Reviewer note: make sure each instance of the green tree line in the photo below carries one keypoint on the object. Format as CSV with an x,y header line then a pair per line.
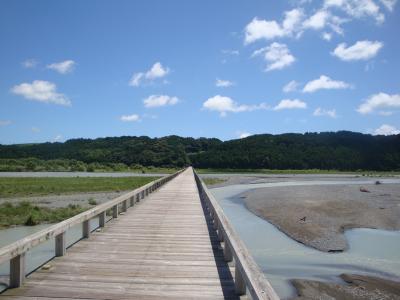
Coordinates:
x,y
343,150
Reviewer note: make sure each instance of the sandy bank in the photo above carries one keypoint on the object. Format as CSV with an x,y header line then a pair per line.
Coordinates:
x,y
318,215
356,287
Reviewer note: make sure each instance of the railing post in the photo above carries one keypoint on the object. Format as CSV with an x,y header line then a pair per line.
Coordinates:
x,y
142,194
60,244
124,205
86,229
132,201
17,271
137,197
220,233
102,219
227,251
115,211
240,285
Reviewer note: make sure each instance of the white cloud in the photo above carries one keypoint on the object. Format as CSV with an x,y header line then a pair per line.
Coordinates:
x,y
243,134
277,55
130,118
30,63
389,4
290,104
156,71
327,36
159,100
223,105
386,129
261,29
42,91
362,50
63,67
57,138
223,83
381,101
5,122
324,82
291,86
320,112
357,8
317,20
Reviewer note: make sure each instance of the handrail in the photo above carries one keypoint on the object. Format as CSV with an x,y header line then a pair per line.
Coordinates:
x,y
247,273
15,252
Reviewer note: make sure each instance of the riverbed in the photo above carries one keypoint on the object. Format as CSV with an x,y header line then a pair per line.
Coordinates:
x,y
370,251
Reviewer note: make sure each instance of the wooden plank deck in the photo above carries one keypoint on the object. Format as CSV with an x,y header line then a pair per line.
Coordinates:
x,y
163,248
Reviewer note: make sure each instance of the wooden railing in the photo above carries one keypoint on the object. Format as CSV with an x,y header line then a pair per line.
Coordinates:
x,y
15,252
248,276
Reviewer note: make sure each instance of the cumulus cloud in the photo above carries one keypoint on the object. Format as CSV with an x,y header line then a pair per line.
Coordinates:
x,y
290,104
386,129
324,82
261,29
357,8
223,83
327,36
130,118
62,67
320,112
5,122
361,50
223,105
291,86
156,71
42,91
160,100
57,138
30,63
277,56
380,102
317,20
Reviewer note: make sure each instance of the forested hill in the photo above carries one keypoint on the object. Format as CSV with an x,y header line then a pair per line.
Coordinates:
x,y
339,151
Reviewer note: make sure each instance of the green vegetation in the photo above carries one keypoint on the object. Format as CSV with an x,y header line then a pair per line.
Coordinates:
x,y
71,165
92,201
24,213
29,186
213,181
342,151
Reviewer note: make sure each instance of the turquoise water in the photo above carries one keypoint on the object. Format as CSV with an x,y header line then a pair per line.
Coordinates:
x,y
371,252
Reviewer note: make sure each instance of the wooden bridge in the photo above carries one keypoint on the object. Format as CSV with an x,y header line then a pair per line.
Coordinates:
x,y
178,244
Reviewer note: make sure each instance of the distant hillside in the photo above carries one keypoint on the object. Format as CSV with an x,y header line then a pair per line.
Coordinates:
x,y
339,151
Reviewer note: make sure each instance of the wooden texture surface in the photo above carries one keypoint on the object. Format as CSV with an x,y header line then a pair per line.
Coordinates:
x,y
162,248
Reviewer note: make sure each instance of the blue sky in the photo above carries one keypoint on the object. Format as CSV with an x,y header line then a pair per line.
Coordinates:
x,y
222,69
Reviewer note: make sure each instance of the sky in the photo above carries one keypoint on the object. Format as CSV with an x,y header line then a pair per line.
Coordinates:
x,y
224,69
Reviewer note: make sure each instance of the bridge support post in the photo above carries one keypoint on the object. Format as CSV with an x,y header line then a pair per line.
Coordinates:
x,y
60,244
132,201
17,271
227,251
124,206
240,285
137,197
115,211
102,219
86,229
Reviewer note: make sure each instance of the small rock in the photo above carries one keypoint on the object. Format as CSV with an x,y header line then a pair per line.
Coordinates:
x,y
364,190
98,230
378,182
46,267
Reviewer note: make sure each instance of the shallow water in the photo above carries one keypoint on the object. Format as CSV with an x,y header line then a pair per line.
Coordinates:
x,y
371,252
41,253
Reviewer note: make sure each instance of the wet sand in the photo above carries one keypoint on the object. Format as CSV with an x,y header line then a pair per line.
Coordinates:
x,y
355,287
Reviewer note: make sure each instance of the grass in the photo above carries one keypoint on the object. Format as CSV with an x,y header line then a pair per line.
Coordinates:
x,y
31,186
213,181
25,213
308,171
